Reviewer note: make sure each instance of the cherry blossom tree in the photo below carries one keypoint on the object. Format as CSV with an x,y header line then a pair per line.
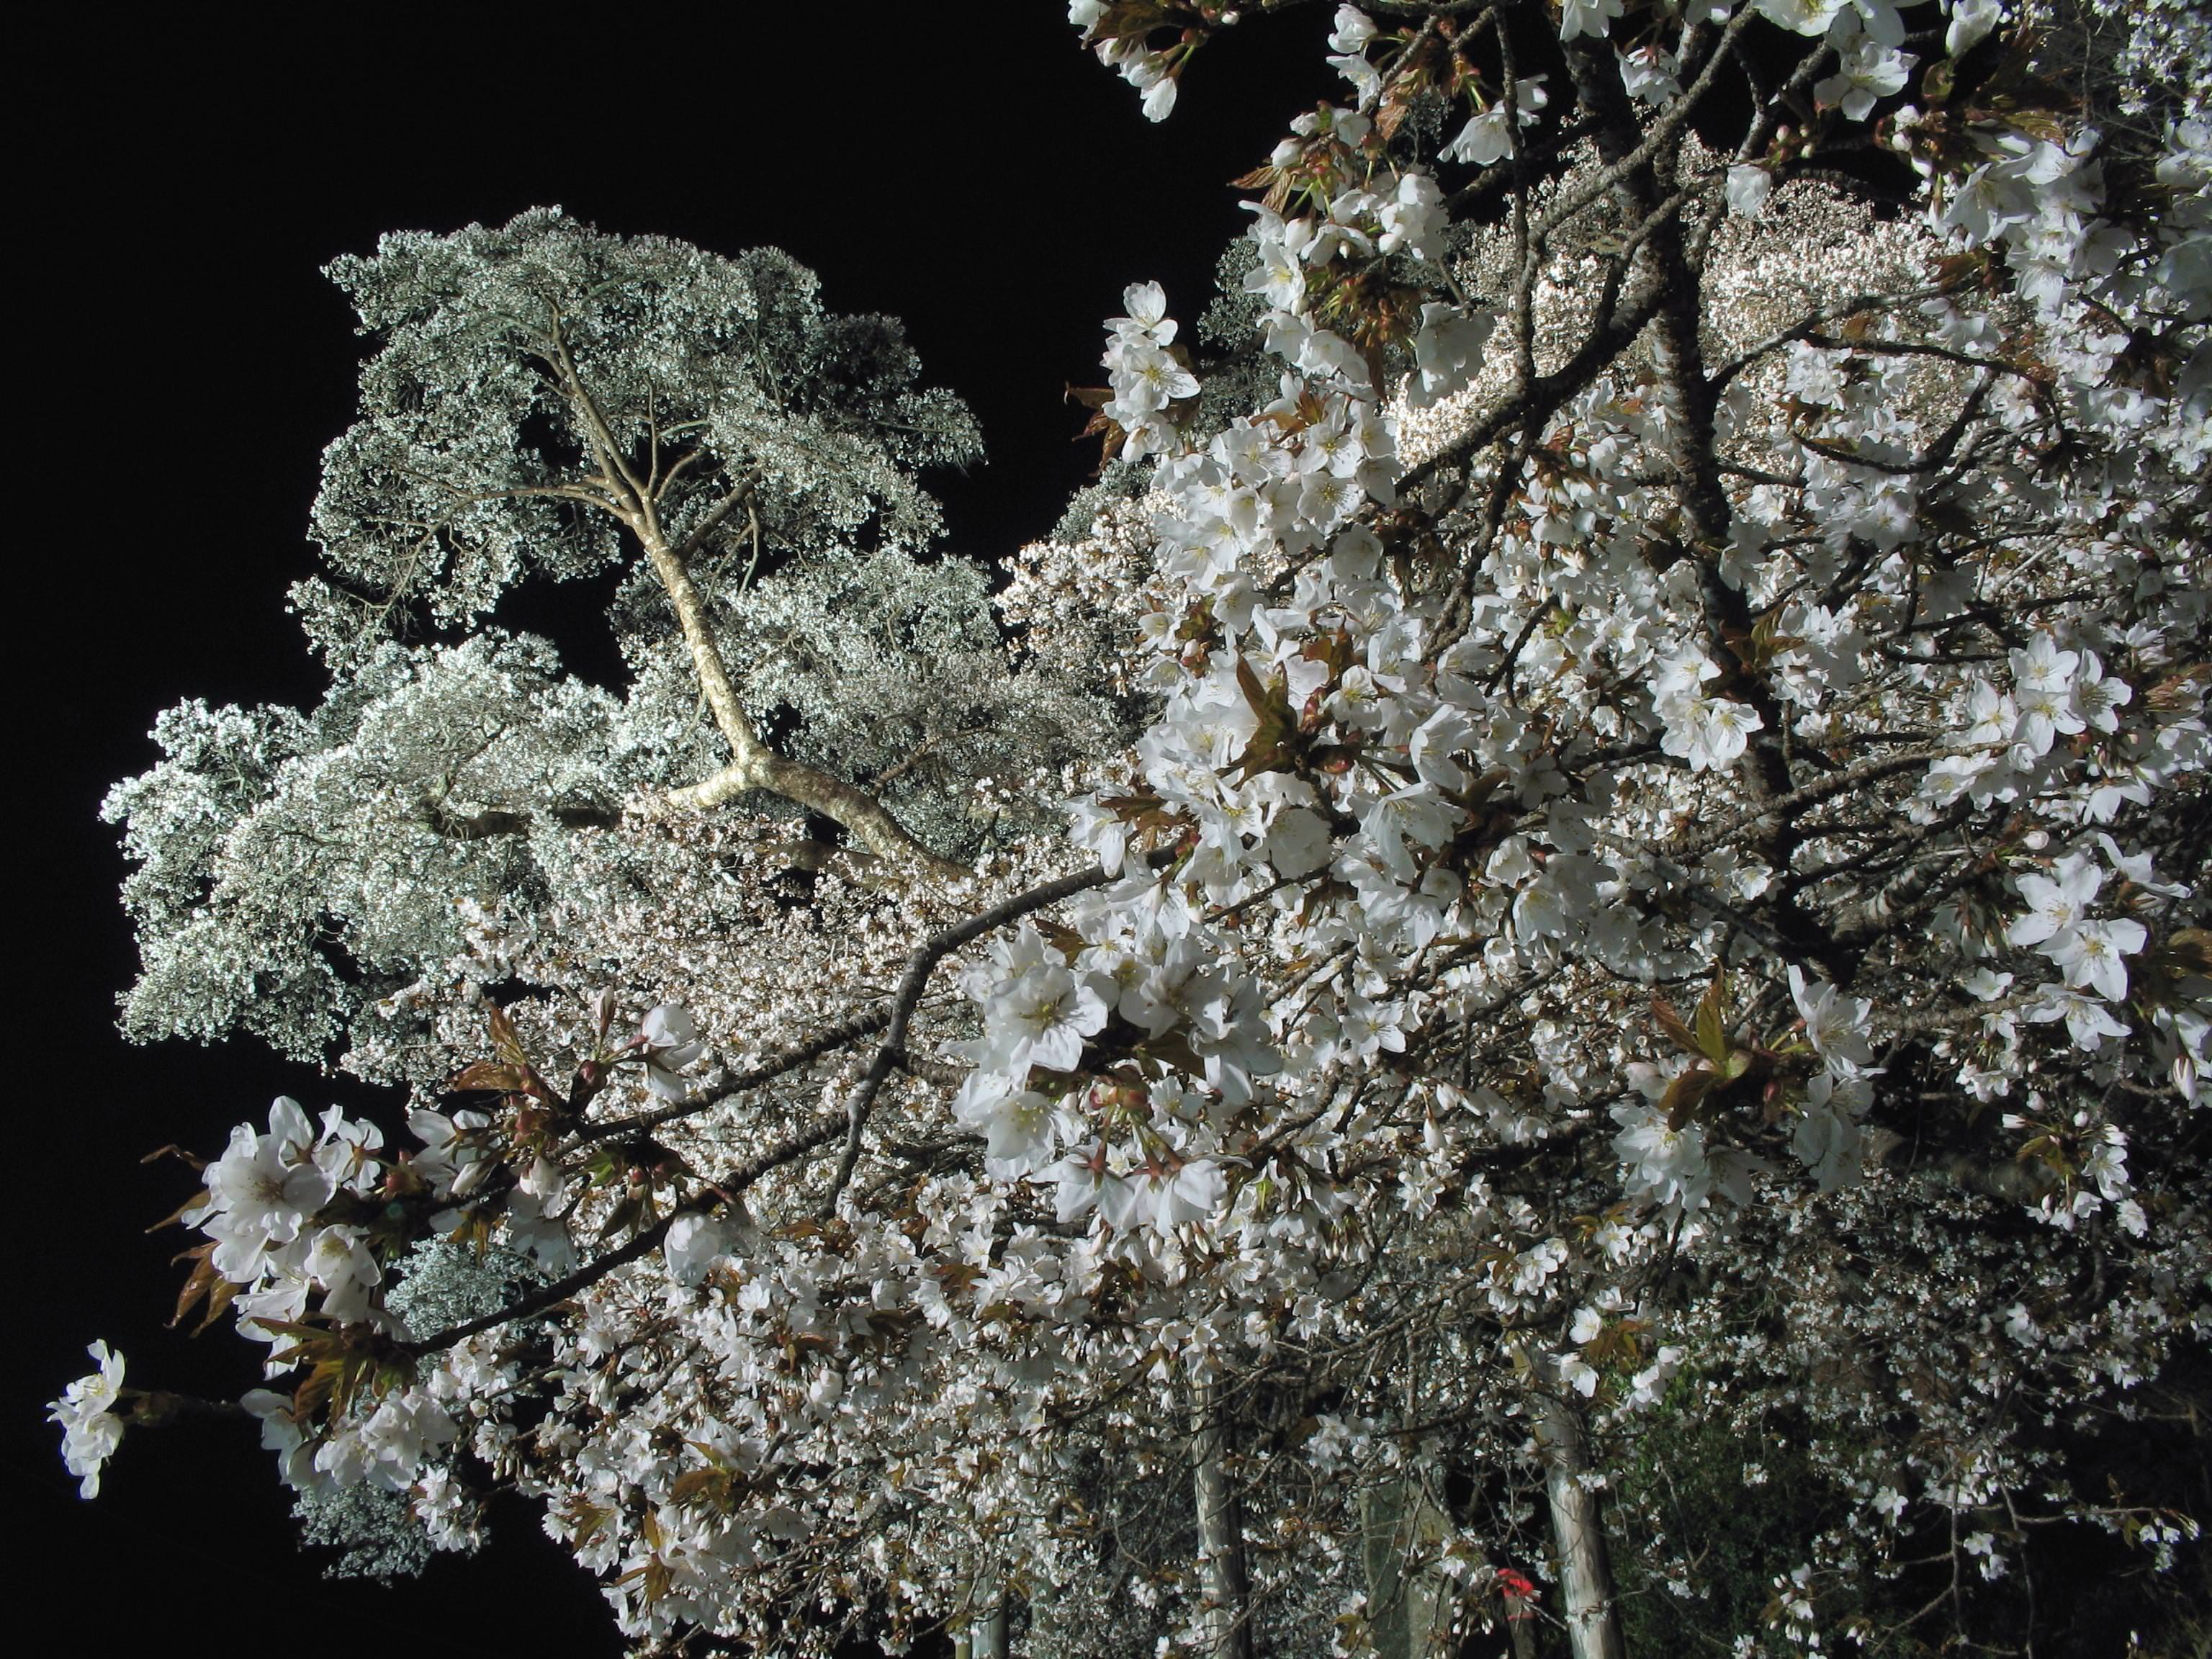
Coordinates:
x,y
1579,892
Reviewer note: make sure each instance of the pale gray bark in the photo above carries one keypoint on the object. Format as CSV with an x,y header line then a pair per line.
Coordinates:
x,y
990,1630
1585,1570
755,765
1227,1619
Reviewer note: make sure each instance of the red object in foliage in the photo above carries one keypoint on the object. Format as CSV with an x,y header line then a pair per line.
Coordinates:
x,y
1517,1591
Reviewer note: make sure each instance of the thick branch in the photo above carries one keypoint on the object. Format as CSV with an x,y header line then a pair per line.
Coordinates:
x,y
1585,1573
1773,813
754,765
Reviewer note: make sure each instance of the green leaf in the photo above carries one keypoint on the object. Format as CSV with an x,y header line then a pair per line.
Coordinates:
x,y
1269,749
1712,1041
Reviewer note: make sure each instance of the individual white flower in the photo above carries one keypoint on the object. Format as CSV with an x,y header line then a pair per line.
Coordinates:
x,y
91,1430
339,1263
671,1040
2088,1021
1146,306
1868,72
1413,216
1022,1127
281,1433
1800,16
2139,869
1485,141
1590,17
1680,674
1662,1165
1577,1373
1827,1137
2041,665
2054,906
263,1187
1711,733
2089,954
1835,1025
1651,74
1023,1134
1747,188
1878,18
1989,203
2096,697
1418,813
1649,1386
2106,1165
1148,72
1322,352
1359,701
1279,279
1190,1193
452,1159
1100,831
1446,352
1041,1019
1145,378
693,1244
387,1447
1366,79
1352,30
1971,20
1078,1180
1299,842
544,1238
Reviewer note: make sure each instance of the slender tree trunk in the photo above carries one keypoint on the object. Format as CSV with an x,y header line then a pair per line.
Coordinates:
x,y
1228,1617
1408,1612
1518,1633
1585,1570
990,1629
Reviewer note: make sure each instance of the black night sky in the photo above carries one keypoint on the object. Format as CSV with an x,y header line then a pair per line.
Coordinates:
x,y
966,168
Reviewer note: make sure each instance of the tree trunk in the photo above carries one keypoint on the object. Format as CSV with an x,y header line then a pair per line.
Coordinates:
x,y
1585,1572
990,1630
1227,1619
1408,1613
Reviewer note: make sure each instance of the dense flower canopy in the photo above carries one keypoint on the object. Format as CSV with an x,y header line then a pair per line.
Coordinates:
x,y
1596,861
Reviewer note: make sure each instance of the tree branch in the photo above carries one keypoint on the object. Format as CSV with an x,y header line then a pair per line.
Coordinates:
x,y
753,1077
892,1053
818,1133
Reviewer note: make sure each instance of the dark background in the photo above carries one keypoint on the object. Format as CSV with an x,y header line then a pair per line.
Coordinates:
x,y
181,178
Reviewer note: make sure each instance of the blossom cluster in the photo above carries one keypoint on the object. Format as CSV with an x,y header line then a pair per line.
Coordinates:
x,y
1673,697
